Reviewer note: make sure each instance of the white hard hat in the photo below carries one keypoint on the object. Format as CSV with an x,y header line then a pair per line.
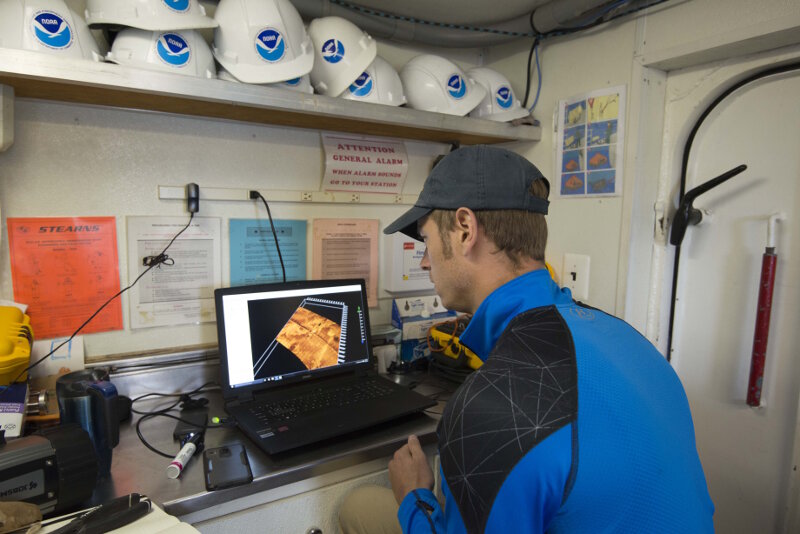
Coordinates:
x,y
262,41
380,83
300,85
499,103
433,83
154,15
341,53
46,26
181,52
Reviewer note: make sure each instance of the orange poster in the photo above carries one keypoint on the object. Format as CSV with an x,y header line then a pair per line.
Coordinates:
x,y
64,269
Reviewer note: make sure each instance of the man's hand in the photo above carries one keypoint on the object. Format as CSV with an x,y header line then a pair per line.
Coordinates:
x,y
409,469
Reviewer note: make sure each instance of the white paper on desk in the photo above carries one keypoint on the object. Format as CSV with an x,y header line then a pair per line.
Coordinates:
x,y
68,357
155,522
181,293
347,248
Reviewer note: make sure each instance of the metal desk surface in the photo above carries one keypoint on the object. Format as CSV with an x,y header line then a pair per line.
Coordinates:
x,y
137,469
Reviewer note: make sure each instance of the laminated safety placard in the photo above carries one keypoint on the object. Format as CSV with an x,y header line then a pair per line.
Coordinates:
x,y
64,269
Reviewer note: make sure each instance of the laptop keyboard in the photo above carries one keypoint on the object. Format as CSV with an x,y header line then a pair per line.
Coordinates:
x,y
288,409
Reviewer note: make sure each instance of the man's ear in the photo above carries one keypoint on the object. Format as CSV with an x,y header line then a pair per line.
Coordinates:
x,y
466,227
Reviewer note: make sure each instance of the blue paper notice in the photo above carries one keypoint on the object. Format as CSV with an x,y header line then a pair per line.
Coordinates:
x,y
254,259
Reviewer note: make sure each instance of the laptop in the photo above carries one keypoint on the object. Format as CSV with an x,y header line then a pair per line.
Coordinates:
x,y
296,364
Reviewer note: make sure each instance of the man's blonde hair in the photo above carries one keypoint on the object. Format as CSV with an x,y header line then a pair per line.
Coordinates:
x,y
517,233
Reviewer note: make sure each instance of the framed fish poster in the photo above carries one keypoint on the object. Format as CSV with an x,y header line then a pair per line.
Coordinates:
x,y
589,142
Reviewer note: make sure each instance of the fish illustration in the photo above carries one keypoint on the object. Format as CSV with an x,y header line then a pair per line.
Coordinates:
x,y
571,165
599,185
574,182
575,115
597,160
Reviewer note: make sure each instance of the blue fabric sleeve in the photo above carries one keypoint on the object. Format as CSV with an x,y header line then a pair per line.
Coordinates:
x,y
532,494
420,513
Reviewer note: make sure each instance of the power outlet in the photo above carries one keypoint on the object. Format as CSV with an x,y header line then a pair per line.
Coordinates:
x,y
355,197
575,275
307,196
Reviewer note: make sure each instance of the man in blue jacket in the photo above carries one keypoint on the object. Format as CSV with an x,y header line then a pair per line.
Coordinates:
x,y
575,422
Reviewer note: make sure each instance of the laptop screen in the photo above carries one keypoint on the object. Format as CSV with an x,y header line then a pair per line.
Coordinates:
x,y
278,333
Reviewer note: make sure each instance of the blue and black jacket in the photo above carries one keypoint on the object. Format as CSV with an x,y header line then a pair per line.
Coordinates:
x,y
575,423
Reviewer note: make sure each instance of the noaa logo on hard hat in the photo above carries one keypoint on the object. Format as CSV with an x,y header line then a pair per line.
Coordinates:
x,y
456,86
504,97
270,45
173,49
181,6
52,30
362,86
332,51
294,82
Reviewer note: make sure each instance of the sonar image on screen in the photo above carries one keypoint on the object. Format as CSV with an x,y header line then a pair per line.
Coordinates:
x,y
313,337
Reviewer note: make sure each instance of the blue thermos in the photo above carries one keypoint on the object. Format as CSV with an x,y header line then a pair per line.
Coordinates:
x,y
88,398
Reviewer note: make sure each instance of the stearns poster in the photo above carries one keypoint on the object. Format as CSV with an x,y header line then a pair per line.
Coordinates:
x,y
64,269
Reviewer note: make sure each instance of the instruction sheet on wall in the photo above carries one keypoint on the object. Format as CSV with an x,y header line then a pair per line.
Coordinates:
x,y
347,248
254,258
180,291
589,143
65,269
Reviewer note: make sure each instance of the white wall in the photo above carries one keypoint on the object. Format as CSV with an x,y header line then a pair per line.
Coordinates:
x,y
90,161
82,160
572,66
636,51
606,229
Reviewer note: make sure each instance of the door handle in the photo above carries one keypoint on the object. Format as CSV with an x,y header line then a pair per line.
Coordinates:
x,y
688,214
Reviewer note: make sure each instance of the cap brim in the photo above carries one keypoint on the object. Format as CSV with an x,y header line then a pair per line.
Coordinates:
x,y
407,223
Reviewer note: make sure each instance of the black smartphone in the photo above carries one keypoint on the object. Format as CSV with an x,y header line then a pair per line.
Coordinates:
x,y
194,421
226,466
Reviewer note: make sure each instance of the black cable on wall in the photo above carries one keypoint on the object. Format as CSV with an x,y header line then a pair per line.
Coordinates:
x,y
772,71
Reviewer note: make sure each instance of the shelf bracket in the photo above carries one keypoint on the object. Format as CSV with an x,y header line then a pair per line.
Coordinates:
x,y
6,117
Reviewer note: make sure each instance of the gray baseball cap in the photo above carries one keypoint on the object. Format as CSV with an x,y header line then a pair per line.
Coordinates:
x,y
478,177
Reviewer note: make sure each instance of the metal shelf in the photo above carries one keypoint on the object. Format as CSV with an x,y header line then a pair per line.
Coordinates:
x,y
41,76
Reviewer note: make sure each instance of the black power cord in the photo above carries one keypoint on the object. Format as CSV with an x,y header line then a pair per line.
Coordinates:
x,y
771,71
256,195
149,261
186,399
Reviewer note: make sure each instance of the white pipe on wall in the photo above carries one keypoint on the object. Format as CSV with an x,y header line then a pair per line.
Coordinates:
x,y
547,16
559,13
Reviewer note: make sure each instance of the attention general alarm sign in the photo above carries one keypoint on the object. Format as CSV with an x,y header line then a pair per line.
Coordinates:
x,y
364,165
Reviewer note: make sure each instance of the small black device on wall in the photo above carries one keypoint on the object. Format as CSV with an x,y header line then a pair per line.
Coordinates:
x,y
193,197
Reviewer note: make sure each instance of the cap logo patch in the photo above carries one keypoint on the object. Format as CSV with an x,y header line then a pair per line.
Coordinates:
x,y
362,86
181,6
52,30
270,45
456,86
294,82
173,49
332,51
504,97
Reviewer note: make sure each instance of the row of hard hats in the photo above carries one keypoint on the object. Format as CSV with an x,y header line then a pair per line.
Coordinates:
x,y
258,41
